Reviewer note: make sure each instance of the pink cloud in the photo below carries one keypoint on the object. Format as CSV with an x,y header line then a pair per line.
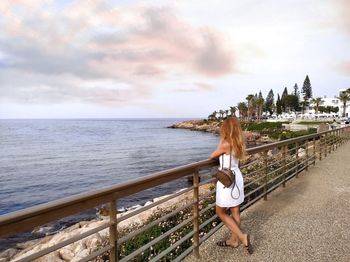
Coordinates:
x,y
344,67
195,87
136,46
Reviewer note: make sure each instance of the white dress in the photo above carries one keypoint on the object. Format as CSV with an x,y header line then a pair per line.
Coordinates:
x,y
226,197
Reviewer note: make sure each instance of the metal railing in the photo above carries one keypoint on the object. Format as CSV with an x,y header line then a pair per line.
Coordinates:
x,y
192,218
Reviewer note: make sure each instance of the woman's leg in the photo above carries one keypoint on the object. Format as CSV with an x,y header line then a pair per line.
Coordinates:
x,y
231,224
235,214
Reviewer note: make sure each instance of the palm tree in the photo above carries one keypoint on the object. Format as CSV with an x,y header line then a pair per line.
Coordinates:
x,y
344,97
233,110
260,104
243,109
212,116
249,99
317,101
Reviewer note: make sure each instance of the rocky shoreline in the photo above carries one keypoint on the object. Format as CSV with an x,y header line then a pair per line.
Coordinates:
x,y
252,138
199,125
82,248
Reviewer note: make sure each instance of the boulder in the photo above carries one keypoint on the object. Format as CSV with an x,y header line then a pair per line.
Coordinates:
x,y
7,254
66,254
82,254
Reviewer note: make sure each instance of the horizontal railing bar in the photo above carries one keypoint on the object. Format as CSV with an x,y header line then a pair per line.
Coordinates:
x,y
96,254
260,169
275,170
206,222
210,233
205,182
274,186
254,181
184,254
144,208
173,246
207,208
278,161
154,241
28,218
254,190
64,243
153,223
207,194
35,216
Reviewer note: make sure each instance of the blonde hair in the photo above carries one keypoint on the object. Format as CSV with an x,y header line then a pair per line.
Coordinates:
x,y
231,132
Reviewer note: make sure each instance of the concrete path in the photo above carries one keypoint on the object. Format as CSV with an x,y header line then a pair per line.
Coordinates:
x,y
309,220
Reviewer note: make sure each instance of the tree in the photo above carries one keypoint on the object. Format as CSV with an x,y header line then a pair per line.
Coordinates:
x,y
296,90
249,99
260,104
317,101
278,105
269,102
243,110
292,102
344,98
233,110
283,98
212,116
307,89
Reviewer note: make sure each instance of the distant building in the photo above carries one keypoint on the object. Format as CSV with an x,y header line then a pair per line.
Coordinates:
x,y
333,102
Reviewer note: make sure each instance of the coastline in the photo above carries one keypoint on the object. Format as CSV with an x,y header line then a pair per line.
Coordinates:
x,y
84,247
198,125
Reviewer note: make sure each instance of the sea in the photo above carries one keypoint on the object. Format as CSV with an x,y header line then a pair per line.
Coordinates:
x,y
43,160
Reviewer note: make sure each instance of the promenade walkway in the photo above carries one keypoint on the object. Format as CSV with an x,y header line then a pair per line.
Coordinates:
x,y
308,220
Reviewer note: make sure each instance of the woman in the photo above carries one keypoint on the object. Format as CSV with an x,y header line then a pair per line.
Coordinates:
x,y
231,147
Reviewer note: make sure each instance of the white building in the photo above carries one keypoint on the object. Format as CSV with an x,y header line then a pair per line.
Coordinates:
x,y
333,102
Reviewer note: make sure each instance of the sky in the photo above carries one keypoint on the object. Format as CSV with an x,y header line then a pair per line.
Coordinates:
x,y
163,59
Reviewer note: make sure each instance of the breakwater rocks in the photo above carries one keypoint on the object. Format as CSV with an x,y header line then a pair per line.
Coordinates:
x,y
252,138
199,125
82,248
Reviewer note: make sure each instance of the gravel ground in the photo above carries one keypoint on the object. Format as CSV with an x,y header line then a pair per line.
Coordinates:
x,y
308,220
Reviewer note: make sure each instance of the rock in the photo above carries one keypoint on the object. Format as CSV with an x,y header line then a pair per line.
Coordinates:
x,y
94,241
82,254
52,257
8,253
66,254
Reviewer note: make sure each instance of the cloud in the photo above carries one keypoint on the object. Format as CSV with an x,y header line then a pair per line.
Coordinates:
x,y
195,87
343,8
344,67
56,51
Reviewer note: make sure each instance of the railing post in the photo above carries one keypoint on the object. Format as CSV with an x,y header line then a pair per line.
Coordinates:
x,y
320,148
314,149
284,164
336,138
330,142
326,145
297,158
265,174
113,257
196,214
307,154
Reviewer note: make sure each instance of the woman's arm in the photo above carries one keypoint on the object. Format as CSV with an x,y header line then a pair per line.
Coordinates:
x,y
221,149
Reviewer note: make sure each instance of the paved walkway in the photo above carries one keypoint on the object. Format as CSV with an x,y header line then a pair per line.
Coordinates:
x,y
309,220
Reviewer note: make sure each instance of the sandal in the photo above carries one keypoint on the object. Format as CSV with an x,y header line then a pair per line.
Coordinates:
x,y
225,244
249,246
